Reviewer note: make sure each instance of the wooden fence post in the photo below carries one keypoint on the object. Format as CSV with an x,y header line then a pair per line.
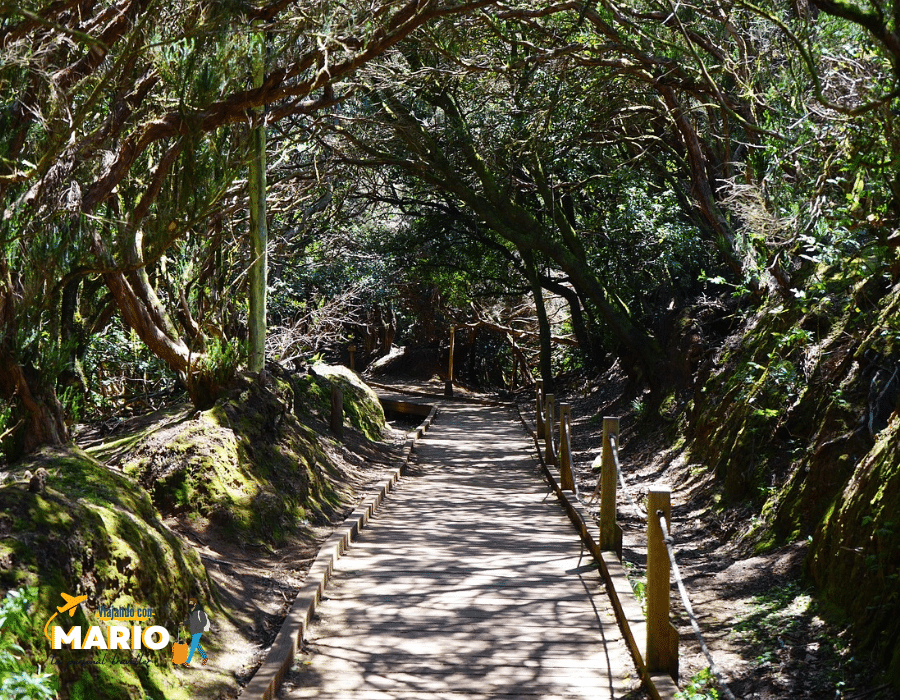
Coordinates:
x,y
662,637
549,420
352,350
566,477
448,387
610,531
337,411
539,413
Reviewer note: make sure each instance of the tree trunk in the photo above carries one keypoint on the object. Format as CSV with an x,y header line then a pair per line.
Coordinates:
x,y
639,351
702,188
38,417
258,231
579,326
543,322
41,416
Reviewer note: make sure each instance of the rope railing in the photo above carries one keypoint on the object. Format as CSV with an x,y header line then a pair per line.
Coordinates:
x,y
661,651
549,420
539,419
662,639
640,512
686,601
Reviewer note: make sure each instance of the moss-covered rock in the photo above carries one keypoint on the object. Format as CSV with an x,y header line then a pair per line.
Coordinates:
x,y
795,418
247,465
855,554
362,409
95,532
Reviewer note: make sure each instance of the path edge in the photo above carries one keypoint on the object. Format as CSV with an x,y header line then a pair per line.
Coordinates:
x,y
629,613
268,677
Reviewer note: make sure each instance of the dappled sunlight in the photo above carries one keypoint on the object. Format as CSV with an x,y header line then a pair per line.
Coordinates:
x,y
469,580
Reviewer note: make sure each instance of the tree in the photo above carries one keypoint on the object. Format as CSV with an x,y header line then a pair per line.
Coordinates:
x,y
258,232
422,115
113,103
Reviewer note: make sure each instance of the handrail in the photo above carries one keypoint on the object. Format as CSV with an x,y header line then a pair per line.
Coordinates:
x,y
539,400
659,502
686,601
641,513
549,418
661,652
566,468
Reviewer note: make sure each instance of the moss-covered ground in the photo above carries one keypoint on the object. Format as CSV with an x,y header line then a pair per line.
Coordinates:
x,y
255,470
95,532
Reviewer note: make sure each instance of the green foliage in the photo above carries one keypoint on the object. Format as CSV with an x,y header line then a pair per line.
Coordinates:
x,y
638,582
19,679
28,686
701,687
212,371
117,367
777,611
640,407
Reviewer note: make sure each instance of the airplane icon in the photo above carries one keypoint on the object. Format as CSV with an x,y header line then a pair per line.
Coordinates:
x,y
71,603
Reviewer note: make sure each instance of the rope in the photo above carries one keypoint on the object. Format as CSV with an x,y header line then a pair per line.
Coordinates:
x,y
670,548
676,572
613,443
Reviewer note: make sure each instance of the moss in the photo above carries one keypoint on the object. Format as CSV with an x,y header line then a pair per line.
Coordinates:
x,y
248,465
362,409
95,532
855,556
786,417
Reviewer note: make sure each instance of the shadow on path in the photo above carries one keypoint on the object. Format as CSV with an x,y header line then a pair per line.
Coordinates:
x,y
469,583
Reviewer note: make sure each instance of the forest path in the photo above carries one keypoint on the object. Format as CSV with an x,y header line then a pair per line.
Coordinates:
x,y
470,582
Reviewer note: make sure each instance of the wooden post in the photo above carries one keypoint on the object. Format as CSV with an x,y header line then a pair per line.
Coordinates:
x,y
610,531
448,387
352,351
515,369
337,411
549,420
539,413
566,477
662,637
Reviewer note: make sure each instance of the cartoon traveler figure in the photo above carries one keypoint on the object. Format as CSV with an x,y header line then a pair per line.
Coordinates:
x,y
198,622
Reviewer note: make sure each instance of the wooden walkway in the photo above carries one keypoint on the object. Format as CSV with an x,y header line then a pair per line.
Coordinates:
x,y
469,583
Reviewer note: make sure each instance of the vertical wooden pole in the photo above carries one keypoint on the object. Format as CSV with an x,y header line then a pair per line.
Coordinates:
x,y
549,420
610,532
448,387
515,369
566,477
258,234
352,350
337,411
662,637
539,413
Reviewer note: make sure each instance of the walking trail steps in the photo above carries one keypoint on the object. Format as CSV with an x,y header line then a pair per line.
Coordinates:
x,y
469,583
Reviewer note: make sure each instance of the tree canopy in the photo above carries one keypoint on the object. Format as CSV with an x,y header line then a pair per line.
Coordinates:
x,y
620,157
